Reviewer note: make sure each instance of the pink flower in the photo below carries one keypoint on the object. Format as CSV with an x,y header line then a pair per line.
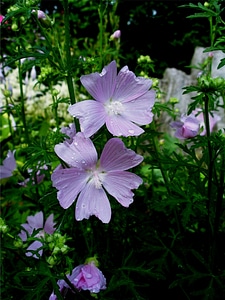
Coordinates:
x,y
116,34
213,119
88,178
187,127
9,165
34,223
1,18
83,277
122,102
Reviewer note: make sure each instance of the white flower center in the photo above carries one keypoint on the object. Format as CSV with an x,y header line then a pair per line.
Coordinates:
x,y
114,108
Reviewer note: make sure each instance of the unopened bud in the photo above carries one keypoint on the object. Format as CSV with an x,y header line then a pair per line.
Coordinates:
x,y
51,260
116,35
14,27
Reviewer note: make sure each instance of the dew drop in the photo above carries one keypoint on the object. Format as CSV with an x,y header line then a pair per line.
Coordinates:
x,y
75,143
131,131
83,205
83,161
88,276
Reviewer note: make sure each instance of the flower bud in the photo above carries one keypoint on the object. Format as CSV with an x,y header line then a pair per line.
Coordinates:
x,y
14,27
18,243
51,260
116,35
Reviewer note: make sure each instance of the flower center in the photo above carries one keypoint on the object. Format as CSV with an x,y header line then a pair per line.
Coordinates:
x,y
95,178
114,108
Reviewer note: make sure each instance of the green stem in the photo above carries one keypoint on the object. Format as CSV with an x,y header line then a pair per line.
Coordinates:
x,y
8,114
22,99
210,202
100,11
55,107
69,75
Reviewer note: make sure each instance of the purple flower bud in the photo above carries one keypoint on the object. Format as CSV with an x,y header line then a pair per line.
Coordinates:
x,y
116,34
83,277
187,127
40,14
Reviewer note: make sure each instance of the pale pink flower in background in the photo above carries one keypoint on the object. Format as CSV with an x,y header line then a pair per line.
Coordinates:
x,y
187,127
33,73
213,119
116,35
88,178
37,176
40,14
83,277
8,166
70,131
34,223
122,102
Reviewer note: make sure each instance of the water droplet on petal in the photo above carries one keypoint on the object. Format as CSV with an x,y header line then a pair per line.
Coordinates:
x,y
88,276
83,161
75,143
131,131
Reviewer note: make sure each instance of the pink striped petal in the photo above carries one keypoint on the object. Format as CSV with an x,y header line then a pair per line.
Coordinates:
x,y
93,201
119,184
115,156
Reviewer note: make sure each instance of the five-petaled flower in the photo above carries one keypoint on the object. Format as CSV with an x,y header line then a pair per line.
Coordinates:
x,y
89,178
83,277
122,102
9,165
35,223
187,127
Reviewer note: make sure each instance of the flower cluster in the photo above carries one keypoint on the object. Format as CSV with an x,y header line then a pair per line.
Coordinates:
x,y
122,102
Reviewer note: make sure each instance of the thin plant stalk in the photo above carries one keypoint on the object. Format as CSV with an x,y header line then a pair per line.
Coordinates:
x,y
23,115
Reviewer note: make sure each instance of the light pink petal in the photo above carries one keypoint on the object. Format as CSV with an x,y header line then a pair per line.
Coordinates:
x,y
35,246
81,153
93,201
49,224
101,86
69,183
91,279
176,124
25,233
70,131
119,126
91,115
130,87
139,110
119,184
9,165
116,157
36,221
